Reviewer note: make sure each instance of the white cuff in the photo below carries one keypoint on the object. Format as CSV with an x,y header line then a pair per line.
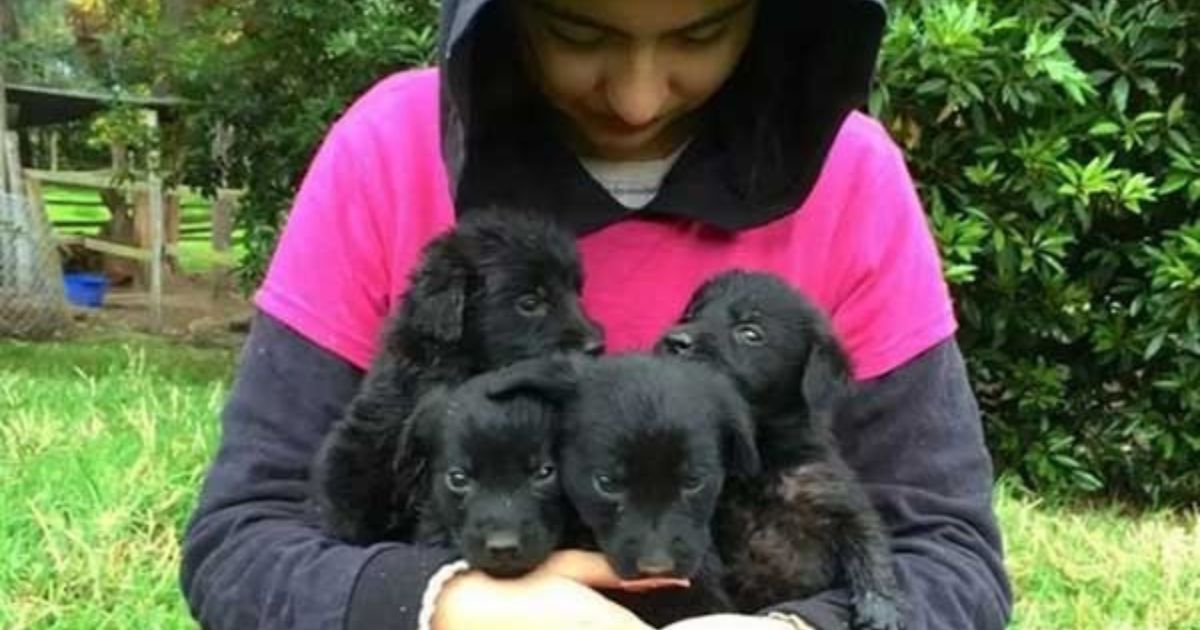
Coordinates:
x,y
434,588
795,620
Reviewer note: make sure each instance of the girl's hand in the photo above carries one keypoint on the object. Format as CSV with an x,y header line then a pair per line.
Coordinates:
x,y
591,568
733,622
558,594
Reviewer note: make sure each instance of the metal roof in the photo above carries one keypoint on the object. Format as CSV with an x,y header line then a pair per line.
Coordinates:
x,y
47,106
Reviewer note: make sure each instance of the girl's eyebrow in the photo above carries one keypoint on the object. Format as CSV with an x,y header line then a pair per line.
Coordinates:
x,y
570,16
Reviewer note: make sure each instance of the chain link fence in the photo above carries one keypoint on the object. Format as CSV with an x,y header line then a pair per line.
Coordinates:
x,y
32,302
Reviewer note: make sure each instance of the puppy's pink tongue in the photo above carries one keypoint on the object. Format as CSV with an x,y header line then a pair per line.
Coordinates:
x,y
649,584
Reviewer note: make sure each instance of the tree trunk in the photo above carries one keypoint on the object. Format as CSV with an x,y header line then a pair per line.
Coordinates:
x,y
9,30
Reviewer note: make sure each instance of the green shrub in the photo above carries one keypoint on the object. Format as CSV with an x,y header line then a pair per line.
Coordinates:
x,y
1057,148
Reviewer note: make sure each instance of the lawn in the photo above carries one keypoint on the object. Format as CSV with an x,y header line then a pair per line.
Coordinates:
x,y
103,443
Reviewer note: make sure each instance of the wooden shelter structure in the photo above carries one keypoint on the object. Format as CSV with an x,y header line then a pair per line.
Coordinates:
x,y
25,106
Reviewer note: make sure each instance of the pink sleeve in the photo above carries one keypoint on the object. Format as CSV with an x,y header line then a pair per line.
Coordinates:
x,y
329,278
373,196
895,304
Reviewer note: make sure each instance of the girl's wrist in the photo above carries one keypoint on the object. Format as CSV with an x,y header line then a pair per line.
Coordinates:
x,y
434,590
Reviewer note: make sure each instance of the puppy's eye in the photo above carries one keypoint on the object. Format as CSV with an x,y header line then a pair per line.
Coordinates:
x,y
532,305
457,480
749,334
544,472
606,485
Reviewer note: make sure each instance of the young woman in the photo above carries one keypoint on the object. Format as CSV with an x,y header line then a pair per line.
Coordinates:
x,y
678,138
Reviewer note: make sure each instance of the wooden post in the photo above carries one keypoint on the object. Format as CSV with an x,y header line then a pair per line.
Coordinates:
x,y
154,184
12,158
222,238
37,202
40,223
3,135
222,221
54,150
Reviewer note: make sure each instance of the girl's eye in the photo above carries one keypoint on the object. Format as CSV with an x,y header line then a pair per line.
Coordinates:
x,y
575,34
692,485
544,472
532,305
704,35
457,480
606,485
749,334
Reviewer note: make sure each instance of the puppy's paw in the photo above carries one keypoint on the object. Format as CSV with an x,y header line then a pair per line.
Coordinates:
x,y
876,611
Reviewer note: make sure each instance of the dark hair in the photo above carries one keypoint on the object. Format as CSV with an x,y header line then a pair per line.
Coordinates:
x,y
504,97
765,112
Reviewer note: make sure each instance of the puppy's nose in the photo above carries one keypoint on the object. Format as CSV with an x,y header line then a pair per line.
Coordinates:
x,y
656,564
679,342
594,346
502,544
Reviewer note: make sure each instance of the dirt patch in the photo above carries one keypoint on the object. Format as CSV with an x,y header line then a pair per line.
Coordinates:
x,y
196,310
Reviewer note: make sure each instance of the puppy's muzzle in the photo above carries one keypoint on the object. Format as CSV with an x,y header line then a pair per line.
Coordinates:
x,y
503,545
656,564
588,339
679,342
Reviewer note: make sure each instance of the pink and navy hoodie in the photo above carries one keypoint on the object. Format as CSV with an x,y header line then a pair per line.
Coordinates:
x,y
784,176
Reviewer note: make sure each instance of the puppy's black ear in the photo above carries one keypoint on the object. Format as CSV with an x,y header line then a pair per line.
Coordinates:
x,y
438,295
555,378
826,373
420,430
414,444
737,435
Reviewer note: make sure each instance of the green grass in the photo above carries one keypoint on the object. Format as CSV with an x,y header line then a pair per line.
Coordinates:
x,y
196,255
1100,569
103,443
101,450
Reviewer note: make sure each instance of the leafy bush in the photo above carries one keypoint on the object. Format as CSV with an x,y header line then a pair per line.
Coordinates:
x,y
273,74
1057,148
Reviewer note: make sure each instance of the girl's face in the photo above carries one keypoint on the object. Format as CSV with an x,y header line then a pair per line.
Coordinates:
x,y
627,74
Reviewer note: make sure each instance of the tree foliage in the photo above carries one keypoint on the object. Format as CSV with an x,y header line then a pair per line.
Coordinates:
x,y
269,76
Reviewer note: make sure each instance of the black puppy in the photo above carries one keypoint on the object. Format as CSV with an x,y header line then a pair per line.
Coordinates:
x,y
804,524
500,287
647,444
480,459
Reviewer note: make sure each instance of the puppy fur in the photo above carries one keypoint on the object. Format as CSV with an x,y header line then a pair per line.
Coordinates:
x,y
481,460
647,445
502,286
804,524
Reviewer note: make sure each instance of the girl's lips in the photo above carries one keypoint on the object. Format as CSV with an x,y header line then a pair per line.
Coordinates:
x,y
619,127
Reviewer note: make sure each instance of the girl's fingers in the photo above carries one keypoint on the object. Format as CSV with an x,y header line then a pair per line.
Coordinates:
x,y
591,568
650,584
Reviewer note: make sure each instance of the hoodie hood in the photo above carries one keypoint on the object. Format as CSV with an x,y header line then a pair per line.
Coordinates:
x,y
755,157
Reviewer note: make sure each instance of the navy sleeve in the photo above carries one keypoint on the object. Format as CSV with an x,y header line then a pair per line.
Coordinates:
x,y
253,556
915,440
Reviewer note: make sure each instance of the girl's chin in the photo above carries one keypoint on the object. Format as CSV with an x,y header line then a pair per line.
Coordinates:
x,y
645,144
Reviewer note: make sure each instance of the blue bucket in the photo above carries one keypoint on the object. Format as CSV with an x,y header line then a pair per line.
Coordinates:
x,y
86,289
